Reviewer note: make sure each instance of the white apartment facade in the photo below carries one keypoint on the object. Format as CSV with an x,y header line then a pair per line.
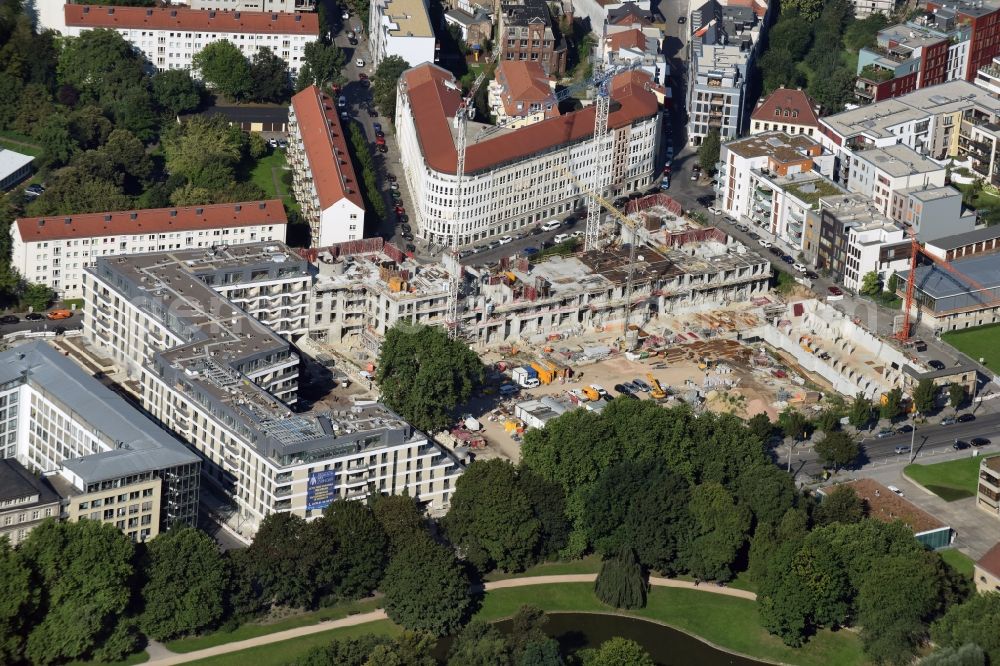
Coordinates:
x,y
400,28
286,6
169,37
865,243
518,177
324,181
56,250
882,173
226,386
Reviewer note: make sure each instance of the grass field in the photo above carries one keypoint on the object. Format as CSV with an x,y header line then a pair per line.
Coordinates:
x,y
137,658
19,143
268,169
253,629
981,342
958,560
728,622
952,480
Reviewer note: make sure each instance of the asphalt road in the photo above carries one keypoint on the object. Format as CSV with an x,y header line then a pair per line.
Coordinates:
x,y
74,322
927,438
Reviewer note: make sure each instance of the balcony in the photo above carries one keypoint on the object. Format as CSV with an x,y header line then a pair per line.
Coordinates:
x,y
283,491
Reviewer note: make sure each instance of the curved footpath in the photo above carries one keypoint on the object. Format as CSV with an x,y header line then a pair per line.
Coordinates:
x,y
162,657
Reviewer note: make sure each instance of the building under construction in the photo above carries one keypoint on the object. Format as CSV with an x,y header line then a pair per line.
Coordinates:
x,y
357,296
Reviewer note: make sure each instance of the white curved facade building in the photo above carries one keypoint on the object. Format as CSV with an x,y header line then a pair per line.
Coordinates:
x,y
515,177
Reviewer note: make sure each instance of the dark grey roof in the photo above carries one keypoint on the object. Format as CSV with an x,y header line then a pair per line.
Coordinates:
x,y
939,283
626,9
142,445
966,238
17,482
527,12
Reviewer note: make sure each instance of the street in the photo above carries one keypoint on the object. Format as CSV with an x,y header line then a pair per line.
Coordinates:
x,y
74,322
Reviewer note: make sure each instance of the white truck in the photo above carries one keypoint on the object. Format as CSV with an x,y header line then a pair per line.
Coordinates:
x,y
524,377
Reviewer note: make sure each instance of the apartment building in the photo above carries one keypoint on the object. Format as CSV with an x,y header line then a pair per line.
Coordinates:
x,y
218,372
324,181
400,28
786,110
169,37
516,177
522,94
865,8
25,501
93,447
929,50
932,212
55,250
636,46
528,32
476,26
988,77
724,46
287,6
772,180
967,296
986,571
882,173
988,495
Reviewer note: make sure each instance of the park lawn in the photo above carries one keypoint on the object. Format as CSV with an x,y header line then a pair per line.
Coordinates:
x,y
254,629
951,480
958,560
980,342
279,654
262,171
33,150
137,658
589,564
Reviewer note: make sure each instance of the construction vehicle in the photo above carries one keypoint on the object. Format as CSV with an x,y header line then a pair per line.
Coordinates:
x,y
591,393
656,391
705,363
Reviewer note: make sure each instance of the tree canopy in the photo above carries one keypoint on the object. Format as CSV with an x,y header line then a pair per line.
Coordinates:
x,y
384,84
708,151
223,67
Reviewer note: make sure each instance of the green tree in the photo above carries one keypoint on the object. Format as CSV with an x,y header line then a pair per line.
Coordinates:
x,y
974,621
135,112
322,64
129,157
837,449
100,64
72,191
792,35
491,520
245,594
766,490
828,420
793,423
280,561
426,588
621,582
479,644
204,150
224,69
88,127
871,284
840,506
860,413
708,151
177,92
965,655
18,600
618,651
342,652
82,573
425,376
384,83
186,580
350,549
55,137
548,502
269,80
721,529
808,10
407,649
835,90
528,642
892,405
760,425
925,396
400,517
778,70
956,395
37,296
892,284
864,32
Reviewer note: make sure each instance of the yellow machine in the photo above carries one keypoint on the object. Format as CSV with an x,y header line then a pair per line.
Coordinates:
x,y
656,392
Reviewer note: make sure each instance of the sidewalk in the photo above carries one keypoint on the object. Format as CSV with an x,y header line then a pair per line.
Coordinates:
x,y
163,657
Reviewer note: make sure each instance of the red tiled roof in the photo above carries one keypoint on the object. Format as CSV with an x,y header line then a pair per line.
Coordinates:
x,y
326,148
633,38
524,82
434,97
990,562
792,100
183,18
151,220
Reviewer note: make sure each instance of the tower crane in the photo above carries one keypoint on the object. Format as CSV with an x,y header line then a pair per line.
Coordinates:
x,y
601,82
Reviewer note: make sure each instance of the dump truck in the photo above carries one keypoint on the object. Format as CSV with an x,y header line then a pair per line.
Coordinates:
x,y
656,391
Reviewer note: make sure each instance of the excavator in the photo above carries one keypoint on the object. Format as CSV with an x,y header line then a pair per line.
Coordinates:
x,y
656,392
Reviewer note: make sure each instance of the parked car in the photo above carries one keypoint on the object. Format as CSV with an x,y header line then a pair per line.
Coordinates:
x,y
788,259
681,20
529,251
403,217
380,141
835,291
643,386
399,209
535,231
559,238
901,449
505,240
569,221
895,489
406,229
60,314
600,389
359,63
345,15
34,316
382,148
980,441
410,247
551,225
799,267
812,275
960,445
966,418
342,102
885,432
352,41
34,190
350,33
947,421
408,236
936,364
9,319
764,243
378,128
621,388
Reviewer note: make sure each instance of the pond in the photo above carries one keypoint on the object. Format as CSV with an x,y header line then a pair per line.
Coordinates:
x,y
667,647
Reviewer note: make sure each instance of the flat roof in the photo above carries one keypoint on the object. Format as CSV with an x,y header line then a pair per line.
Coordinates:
x,y
16,482
151,220
137,444
898,160
967,238
184,18
780,146
11,161
927,193
409,18
885,505
939,283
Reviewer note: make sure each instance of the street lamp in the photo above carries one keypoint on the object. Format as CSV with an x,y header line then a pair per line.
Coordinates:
x,y
913,433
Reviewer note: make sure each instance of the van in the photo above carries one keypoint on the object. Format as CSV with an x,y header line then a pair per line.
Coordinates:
x,y
551,225
60,314
560,238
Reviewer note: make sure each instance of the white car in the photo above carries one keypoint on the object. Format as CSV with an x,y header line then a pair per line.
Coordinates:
x,y
764,243
551,225
505,240
578,234
713,210
359,63
600,389
559,238
799,267
346,15
895,490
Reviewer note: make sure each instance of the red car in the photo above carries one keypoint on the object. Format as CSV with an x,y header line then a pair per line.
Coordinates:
x,y
400,210
380,141
362,76
835,291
